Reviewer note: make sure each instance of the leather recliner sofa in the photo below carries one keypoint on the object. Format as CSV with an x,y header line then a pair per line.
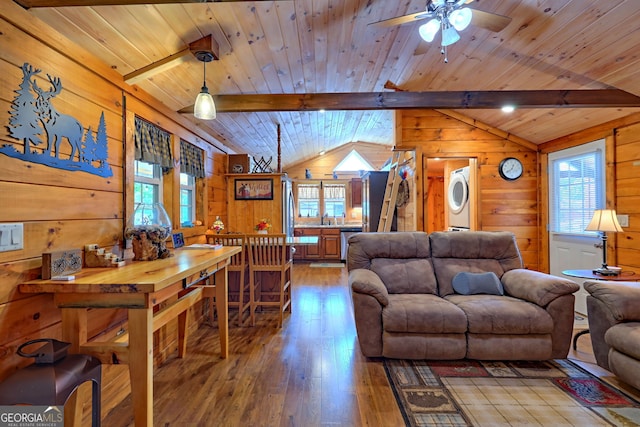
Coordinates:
x,y
613,311
406,305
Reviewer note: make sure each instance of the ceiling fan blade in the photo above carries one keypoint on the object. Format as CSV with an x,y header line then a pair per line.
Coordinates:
x,y
422,48
490,21
399,20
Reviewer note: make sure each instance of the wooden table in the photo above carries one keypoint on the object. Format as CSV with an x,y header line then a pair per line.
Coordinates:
x,y
590,275
138,287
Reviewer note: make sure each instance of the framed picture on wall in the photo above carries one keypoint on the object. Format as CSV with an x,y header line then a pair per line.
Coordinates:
x,y
253,189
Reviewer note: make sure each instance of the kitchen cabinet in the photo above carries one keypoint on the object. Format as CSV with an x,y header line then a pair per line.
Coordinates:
x,y
327,249
356,193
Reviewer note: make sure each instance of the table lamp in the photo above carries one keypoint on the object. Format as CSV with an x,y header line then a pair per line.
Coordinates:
x,y
604,220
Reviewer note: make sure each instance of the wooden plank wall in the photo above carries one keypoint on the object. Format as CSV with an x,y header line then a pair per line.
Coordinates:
x,y
622,139
511,206
321,167
66,210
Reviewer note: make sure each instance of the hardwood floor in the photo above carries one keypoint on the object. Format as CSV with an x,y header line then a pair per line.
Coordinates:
x,y
309,373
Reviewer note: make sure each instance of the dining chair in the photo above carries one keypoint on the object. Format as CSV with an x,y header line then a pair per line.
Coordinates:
x,y
240,292
268,254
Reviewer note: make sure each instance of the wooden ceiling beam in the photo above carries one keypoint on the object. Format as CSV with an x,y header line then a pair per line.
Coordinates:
x,y
27,4
206,44
525,99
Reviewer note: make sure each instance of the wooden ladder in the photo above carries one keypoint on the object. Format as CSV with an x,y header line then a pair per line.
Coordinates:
x,y
390,193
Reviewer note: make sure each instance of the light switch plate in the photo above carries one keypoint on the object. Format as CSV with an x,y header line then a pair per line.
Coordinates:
x,y
623,220
11,237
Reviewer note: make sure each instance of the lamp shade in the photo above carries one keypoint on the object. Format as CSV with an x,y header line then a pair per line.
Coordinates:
x,y
449,35
604,220
204,107
429,30
460,18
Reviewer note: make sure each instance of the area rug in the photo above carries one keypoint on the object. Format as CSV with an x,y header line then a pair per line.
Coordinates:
x,y
326,264
474,393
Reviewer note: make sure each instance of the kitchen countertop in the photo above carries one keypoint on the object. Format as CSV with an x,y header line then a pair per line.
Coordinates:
x,y
339,226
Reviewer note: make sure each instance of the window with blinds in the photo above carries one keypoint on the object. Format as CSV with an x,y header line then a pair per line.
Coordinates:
x,y
577,187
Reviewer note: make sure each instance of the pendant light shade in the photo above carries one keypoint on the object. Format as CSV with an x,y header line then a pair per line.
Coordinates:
x,y
204,108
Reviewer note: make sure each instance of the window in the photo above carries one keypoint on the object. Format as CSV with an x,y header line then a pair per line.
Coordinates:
x,y
147,187
309,200
314,203
187,199
334,200
577,187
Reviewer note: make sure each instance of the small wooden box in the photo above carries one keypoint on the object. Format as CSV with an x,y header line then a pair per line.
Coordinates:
x,y
239,163
61,263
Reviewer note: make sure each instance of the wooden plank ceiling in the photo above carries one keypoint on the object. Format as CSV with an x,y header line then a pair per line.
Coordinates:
x,y
307,47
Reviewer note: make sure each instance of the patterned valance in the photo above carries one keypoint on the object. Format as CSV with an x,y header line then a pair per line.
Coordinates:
x,y
309,191
191,160
334,191
153,145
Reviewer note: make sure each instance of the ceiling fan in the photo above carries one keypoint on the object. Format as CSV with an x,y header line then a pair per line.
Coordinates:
x,y
448,17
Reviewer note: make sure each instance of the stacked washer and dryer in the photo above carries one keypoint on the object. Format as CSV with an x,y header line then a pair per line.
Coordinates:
x,y
458,200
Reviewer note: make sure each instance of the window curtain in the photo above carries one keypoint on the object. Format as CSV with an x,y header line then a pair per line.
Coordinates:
x,y
334,191
191,160
153,145
309,191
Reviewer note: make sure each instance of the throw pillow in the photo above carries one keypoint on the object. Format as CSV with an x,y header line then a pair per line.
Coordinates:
x,y
466,283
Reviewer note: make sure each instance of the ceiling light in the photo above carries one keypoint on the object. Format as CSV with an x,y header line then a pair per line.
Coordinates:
x,y
429,30
460,18
204,108
449,34
508,109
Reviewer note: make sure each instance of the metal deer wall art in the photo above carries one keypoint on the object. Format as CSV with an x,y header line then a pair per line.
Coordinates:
x,y
34,116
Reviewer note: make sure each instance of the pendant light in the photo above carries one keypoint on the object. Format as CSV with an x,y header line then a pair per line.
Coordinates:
x,y
204,108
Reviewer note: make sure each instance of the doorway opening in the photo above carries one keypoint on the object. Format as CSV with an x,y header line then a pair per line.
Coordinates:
x,y
451,189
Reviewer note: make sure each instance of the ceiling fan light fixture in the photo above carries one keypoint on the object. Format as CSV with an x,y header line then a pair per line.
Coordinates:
x,y
449,35
429,30
460,18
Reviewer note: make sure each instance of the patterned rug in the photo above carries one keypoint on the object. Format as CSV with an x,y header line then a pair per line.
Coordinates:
x,y
326,264
474,393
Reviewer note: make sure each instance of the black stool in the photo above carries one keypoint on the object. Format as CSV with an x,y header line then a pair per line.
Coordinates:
x,y
53,383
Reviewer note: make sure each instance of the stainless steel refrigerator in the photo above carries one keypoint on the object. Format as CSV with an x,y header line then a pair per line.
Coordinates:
x,y
374,184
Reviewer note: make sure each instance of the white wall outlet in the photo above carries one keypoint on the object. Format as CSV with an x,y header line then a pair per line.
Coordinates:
x,y
623,220
11,237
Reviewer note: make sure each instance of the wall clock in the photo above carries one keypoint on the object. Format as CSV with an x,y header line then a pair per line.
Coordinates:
x,y
510,168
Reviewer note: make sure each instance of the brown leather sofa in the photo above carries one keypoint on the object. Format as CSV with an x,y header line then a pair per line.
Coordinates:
x,y
403,288
613,310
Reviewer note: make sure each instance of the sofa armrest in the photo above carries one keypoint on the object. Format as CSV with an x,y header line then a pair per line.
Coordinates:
x,y
365,281
536,287
622,299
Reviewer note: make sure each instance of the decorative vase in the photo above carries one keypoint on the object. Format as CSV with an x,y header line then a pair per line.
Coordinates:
x,y
148,229
262,231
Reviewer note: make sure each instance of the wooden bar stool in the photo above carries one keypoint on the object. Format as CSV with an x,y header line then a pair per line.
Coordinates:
x,y
238,270
53,383
268,253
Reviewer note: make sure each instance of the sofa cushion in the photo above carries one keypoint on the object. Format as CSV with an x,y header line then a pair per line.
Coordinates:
x,y
422,313
625,337
466,283
364,247
475,252
493,314
412,275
